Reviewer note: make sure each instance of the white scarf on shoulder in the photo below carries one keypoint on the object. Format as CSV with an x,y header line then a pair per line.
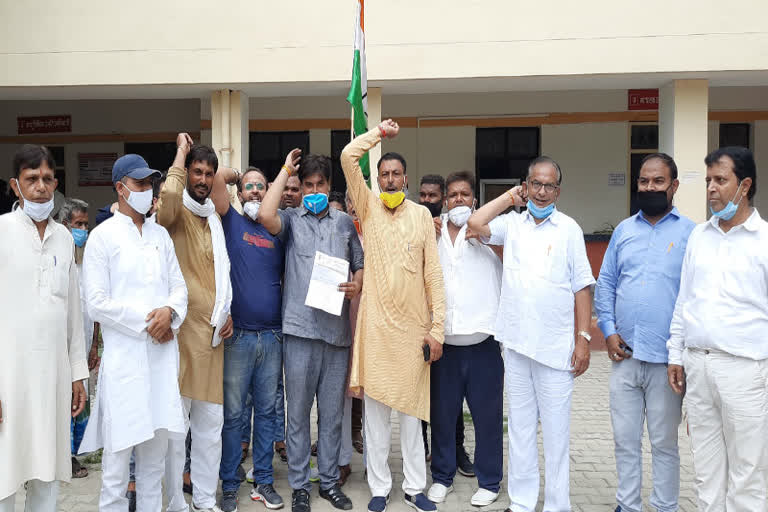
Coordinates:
x,y
223,302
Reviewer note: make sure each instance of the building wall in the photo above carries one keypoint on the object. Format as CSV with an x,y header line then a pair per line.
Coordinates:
x,y
210,42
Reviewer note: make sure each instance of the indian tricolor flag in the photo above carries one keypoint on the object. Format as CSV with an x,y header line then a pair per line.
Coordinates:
x,y
358,91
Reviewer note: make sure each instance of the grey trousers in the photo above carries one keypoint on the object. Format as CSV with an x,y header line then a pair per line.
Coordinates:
x,y
314,368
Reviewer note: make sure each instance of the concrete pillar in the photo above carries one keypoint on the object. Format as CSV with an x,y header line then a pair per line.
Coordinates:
x,y
374,119
683,134
229,132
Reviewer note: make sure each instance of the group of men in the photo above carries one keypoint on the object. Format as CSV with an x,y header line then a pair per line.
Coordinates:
x,y
200,306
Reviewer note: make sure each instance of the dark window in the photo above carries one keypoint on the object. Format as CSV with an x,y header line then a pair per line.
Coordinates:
x,y
268,150
159,155
504,153
734,134
644,136
339,139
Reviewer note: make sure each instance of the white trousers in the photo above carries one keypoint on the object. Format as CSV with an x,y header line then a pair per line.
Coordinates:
x,y
205,422
346,449
150,464
536,391
378,438
41,497
727,403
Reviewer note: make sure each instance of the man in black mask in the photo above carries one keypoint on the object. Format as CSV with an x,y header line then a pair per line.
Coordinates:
x,y
634,298
431,193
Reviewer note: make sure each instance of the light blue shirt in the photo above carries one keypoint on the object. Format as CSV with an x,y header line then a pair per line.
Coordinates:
x,y
638,284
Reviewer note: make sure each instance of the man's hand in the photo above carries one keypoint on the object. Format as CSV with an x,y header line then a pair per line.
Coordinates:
x,y
159,323
292,160
78,397
437,221
350,289
676,376
580,359
435,348
390,128
166,336
93,357
614,343
227,330
520,195
184,143
469,235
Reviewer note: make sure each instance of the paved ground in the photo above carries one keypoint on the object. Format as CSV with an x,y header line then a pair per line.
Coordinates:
x,y
593,471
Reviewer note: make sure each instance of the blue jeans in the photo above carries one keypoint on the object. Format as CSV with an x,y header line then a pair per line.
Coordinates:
x,y
252,362
279,415
639,391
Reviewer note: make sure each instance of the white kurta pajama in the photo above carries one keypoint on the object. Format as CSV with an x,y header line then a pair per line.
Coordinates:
x,y
42,351
544,266
128,274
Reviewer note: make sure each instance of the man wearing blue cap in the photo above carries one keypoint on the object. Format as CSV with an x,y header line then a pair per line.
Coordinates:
x,y
135,290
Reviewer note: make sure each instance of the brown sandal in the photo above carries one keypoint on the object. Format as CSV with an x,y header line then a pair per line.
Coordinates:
x,y
78,470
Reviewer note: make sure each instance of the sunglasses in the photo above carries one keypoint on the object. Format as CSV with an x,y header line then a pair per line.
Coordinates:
x,y
259,186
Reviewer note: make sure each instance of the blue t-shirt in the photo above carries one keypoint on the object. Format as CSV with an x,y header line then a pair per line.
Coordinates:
x,y
256,268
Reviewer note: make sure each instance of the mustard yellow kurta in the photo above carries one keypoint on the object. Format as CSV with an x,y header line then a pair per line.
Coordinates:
x,y
403,297
201,367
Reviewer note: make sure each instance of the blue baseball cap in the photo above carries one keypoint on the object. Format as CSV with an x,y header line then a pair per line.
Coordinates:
x,y
132,166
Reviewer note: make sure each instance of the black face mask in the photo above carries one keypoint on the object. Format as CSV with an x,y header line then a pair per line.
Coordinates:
x,y
434,208
653,203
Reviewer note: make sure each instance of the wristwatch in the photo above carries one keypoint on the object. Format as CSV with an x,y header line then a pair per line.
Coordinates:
x,y
585,335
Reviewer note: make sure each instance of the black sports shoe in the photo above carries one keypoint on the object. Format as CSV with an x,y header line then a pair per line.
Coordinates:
x,y
337,498
463,462
300,501
229,501
267,494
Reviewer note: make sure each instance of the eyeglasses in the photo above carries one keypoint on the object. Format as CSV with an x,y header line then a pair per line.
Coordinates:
x,y
259,186
548,187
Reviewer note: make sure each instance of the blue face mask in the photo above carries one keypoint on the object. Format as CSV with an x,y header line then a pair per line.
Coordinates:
x,y
316,203
80,236
730,209
540,213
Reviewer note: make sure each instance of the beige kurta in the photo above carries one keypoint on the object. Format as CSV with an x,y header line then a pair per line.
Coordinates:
x,y
201,368
42,350
403,297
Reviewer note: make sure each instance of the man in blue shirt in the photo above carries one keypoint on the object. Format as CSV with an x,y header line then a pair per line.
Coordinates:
x,y
634,299
253,355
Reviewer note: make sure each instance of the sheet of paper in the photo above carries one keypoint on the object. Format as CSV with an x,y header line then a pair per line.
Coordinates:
x,y
327,274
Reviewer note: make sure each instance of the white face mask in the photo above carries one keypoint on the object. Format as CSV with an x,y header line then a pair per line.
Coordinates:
x,y
36,211
459,215
251,209
139,201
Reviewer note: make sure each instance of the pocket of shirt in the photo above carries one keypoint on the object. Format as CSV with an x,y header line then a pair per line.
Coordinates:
x,y
59,278
414,256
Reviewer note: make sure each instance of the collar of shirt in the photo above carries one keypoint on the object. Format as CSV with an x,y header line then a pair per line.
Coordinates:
x,y
751,224
332,212
672,213
554,217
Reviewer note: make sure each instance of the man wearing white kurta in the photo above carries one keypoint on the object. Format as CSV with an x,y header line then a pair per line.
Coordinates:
x,y
43,351
546,276
135,290
718,335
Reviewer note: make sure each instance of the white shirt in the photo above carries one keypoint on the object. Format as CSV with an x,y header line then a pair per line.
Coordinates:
x,y
544,266
126,275
42,350
723,299
472,277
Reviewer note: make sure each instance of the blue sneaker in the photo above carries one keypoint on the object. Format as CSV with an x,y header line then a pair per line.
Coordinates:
x,y
420,502
378,504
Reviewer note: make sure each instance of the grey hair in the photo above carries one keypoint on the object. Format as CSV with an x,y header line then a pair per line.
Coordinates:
x,y
545,160
70,207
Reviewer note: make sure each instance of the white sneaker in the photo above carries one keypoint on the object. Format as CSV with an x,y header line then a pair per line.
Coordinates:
x,y
196,509
438,492
483,497
249,476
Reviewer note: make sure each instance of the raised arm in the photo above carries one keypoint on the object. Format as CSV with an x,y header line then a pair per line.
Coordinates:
x,y
171,196
268,216
478,222
358,190
219,193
